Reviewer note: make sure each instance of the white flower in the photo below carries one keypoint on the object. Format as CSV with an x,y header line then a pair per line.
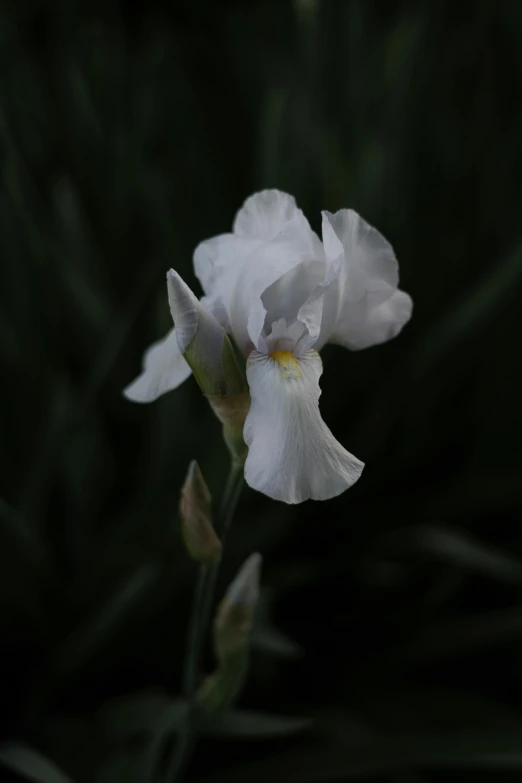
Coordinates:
x,y
282,294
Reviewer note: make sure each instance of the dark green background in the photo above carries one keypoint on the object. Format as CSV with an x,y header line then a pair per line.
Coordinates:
x,y
392,615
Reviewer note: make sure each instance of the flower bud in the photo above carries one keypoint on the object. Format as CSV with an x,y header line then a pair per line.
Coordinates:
x,y
231,629
236,611
219,690
209,353
196,518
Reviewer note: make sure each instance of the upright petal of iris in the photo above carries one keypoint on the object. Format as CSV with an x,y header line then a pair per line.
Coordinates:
x,y
271,237
292,455
365,306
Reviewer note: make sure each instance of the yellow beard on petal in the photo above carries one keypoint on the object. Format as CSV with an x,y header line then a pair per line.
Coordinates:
x,y
288,363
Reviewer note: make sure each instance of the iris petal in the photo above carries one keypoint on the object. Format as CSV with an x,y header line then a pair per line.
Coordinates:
x,y
239,271
365,307
292,454
265,214
164,369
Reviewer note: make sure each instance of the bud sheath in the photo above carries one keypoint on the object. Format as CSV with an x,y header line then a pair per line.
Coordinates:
x,y
236,611
196,518
231,631
209,353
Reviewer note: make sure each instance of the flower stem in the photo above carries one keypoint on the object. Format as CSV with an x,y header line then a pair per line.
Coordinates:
x,y
199,621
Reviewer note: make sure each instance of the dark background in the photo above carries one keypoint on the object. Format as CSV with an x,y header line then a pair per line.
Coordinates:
x,y
392,615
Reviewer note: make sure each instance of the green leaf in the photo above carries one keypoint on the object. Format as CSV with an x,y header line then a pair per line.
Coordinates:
x,y
23,535
156,714
151,714
435,711
268,639
251,724
466,633
38,481
133,714
405,730
76,745
163,730
479,491
100,627
476,307
457,547
340,762
271,641
124,768
31,764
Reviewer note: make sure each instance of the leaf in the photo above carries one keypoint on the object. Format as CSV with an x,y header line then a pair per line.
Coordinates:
x,y
469,632
41,474
17,533
31,764
155,713
98,628
478,492
152,714
168,724
27,572
76,745
124,768
458,547
272,115
401,730
475,309
271,641
343,761
251,724
268,639
434,711
133,714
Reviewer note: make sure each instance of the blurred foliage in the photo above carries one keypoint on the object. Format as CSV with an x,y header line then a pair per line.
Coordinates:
x,y
389,642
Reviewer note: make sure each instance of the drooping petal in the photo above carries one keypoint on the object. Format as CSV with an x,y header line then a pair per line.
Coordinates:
x,y
358,313
292,454
164,369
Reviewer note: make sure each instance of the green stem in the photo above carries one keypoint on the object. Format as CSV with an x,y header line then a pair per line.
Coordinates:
x,y
199,621
190,667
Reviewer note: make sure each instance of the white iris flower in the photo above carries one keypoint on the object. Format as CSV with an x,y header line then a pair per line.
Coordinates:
x,y
282,294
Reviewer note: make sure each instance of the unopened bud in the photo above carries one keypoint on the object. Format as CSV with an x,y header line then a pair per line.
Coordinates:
x,y
236,611
219,690
196,518
209,353
231,630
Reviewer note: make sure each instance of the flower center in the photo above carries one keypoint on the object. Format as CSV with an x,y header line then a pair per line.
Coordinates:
x,y
288,363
